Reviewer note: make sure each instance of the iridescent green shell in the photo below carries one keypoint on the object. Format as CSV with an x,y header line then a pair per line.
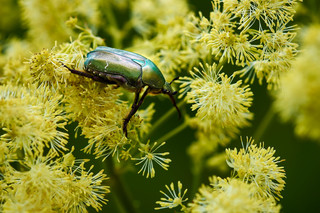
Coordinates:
x,y
133,70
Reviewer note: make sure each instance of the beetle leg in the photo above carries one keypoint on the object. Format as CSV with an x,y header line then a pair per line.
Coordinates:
x,y
142,97
135,106
88,75
77,71
136,99
131,113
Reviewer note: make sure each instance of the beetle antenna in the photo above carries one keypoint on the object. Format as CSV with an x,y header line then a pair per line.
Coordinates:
x,y
176,78
174,104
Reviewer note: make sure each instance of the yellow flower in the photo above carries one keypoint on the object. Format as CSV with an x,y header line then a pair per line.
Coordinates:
x,y
265,12
46,20
146,117
276,56
257,165
163,11
15,70
172,199
149,156
49,186
86,100
105,134
297,99
36,189
204,145
46,66
264,52
32,119
100,114
218,101
230,195
84,189
165,40
220,35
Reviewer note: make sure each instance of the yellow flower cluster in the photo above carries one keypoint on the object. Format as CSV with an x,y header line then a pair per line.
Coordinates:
x,y
164,39
43,185
36,174
219,102
215,57
230,34
257,165
230,195
47,22
32,119
222,108
298,98
254,187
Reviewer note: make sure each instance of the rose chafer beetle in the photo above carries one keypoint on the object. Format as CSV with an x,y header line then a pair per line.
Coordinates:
x,y
128,70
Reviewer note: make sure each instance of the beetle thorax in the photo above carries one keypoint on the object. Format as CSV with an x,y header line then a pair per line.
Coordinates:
x,y
151,76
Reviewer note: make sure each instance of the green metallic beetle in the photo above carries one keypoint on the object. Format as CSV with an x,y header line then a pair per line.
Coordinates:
x,y
128,70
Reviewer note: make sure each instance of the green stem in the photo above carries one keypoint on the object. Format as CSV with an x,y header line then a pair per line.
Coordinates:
x,y
118,203
264,124
197,171
119,188
163,118
173,132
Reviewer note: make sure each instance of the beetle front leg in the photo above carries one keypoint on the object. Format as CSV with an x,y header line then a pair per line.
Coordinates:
x,y
135,106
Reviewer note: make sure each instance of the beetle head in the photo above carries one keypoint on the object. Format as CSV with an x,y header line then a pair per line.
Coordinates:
x,y
167,89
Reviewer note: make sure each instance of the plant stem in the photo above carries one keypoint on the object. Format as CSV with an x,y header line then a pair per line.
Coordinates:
x,y
173,132
163,118
264,124
119,188
197,171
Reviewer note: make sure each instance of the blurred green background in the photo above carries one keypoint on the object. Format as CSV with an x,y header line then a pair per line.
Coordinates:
x,y
302,157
